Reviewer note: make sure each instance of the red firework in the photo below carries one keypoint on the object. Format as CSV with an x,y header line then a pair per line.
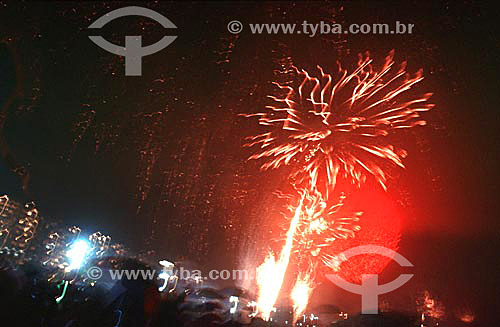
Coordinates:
x,y
329,128
339,126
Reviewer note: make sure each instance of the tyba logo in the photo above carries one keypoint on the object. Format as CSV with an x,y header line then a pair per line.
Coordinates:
x,y
133,50
369,288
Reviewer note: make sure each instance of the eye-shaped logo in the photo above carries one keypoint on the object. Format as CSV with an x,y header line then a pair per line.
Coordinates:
x,y
133,50
369,288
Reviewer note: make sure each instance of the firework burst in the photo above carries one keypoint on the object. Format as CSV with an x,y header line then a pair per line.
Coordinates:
x,y
327,128
331,126
321,222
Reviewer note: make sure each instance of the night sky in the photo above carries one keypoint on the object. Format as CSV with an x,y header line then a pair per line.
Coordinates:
x,y
157,161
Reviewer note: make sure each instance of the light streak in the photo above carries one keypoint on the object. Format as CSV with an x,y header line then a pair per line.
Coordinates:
x,y
167,275
63,294
5,200
271,273
234,300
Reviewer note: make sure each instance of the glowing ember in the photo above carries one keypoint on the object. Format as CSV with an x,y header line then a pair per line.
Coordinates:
x,y
430,307
466,315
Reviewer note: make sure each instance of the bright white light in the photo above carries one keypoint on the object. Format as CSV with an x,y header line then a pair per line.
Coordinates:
x,y
76,254
234,303
167,264
253,305
166,274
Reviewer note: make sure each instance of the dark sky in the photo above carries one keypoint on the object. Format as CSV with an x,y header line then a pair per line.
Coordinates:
x,y
157,161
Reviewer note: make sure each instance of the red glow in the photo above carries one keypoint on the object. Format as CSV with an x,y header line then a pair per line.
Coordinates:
x,y
380,225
